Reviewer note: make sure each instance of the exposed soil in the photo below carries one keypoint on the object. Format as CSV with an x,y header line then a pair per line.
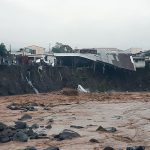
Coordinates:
x,y
14,79
129,113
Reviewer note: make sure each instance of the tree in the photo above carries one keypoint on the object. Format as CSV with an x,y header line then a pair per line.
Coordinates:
x,y
3,50
61,48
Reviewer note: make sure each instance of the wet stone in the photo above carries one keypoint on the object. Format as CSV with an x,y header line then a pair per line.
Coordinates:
x,y
20,136
13,106
66,134
2,126
35,126
109,148
100,128
48,126
46,108
7,133
42,134
4,139
50,120
20,125
52,148
33,104
29,132
25,117
136,148
109,129
34,136
93,141
30,148
77,127
25,106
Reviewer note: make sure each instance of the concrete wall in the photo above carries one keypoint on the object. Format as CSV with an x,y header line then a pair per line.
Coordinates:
x,y
39,50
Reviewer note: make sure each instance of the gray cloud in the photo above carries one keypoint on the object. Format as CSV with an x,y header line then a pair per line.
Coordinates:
x,y
81,23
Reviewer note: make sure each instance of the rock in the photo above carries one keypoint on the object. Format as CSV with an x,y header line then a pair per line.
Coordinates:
x,y
48,126
31,108
100,128
67,134
35,126
2,126
109,148
136,148
34,136
7,133
13,106
33,104
4,139
42,134
29,132
77,127
25,117
109,129
93,141
30,148
20,136
20,125
46,108
50,120
25,107
52,148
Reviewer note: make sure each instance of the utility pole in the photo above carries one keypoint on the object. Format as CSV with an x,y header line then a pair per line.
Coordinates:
x,y
49,47
10,48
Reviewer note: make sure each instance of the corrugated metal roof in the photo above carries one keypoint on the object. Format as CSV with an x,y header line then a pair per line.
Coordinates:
x,y
117,59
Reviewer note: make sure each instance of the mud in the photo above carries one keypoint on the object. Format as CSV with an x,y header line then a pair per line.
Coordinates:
x,y
129,113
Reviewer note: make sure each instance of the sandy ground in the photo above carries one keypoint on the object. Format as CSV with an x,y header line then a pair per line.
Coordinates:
x,y
128,112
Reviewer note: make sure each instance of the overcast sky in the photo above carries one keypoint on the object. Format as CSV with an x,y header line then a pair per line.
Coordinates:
x,y
78,23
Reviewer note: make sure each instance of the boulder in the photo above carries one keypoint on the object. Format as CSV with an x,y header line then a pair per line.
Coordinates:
x,y
100,128
20,125
14,106
25,117
93,141
2,126
52,148
66,134
30,148
25,106
136,148
50,120
109,129
4,139
20,136
48,126
109,148
35,126
77,127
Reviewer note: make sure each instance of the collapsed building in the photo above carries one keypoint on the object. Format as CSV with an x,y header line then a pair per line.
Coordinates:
x,y
93,57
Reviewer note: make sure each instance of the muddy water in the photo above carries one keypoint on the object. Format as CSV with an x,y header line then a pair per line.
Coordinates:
x,y
131,119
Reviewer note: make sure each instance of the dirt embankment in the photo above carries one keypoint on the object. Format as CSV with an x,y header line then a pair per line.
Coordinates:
x,y
14,80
